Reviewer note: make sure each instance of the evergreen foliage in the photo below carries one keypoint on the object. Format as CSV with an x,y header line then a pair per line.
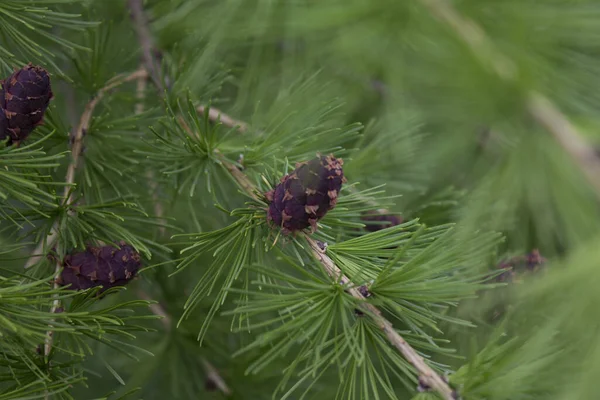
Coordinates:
x,y
469,124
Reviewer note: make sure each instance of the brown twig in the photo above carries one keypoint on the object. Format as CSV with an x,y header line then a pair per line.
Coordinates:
x,y
142,83
211,372
426,373
76,149
547,115
543,111
214,114
86,118
213,375
157,309
239,177
152,66
146,40
217,115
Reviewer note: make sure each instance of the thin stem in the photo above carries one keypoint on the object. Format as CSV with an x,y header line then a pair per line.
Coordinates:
x,y
213,375
543,111
157,309
146,40
211,372
215,115
76,150
241,178
152,66
142,83
427,375
84,124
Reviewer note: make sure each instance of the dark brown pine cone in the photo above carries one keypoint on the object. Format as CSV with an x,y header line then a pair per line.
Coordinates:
x,y
516,267
105,266
515,271
376,221
24,98
305,195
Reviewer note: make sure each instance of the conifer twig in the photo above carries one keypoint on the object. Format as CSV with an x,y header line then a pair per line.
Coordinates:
x,y
142,83
146,40
217,115
214,114
427,375
239,176
543,111
86,118
156,308
213,375
76,150
547,115
211,372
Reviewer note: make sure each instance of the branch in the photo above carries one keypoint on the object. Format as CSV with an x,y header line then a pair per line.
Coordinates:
x,y
211,372
146,40
157,309
140,90
215,115
239,176
543,111
84,124
76,149
547,115
213,375
427,375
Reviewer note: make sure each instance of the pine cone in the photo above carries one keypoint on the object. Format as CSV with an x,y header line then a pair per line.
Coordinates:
x,y
382,221
24,98
105,266
304,196
514,271
516,267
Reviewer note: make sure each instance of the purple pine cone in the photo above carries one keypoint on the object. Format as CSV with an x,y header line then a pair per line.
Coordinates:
x,y
105,266
305,195
375,221
516,267
24,98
